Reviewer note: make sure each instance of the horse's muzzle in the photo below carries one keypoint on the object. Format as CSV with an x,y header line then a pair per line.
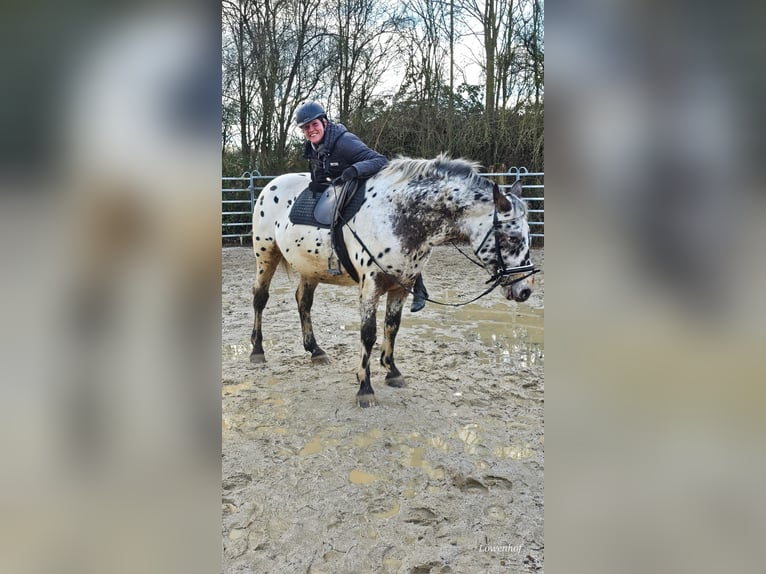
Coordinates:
x,y
523,295
519,291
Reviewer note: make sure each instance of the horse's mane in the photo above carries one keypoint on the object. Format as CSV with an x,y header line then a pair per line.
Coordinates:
x,y
441,167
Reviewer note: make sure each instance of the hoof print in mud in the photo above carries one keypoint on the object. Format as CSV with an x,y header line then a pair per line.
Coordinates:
x,y
236,481
469,484
497,482
433,567
320,359
531,563
422,515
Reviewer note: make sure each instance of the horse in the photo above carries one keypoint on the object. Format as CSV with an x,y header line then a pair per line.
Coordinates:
x,y
410,206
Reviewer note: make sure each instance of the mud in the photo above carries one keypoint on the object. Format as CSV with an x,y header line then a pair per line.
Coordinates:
x,y
444,475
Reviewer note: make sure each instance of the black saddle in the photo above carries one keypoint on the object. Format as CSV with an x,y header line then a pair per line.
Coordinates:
x,y
331,209
319,209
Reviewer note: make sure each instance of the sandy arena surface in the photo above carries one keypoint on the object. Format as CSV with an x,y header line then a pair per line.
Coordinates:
x,y
444,475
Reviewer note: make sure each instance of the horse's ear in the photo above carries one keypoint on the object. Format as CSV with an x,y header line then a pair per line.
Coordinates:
x,y
516,188
501,202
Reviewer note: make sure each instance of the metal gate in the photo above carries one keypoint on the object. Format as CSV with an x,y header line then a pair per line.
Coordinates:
x,y
239,195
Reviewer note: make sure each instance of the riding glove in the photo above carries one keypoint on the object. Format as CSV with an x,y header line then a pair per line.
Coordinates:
x,y
349,173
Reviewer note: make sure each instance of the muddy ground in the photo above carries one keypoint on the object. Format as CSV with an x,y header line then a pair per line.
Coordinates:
x,y
445,475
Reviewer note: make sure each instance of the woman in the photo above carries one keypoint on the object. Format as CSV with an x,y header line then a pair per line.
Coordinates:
x,y
334,152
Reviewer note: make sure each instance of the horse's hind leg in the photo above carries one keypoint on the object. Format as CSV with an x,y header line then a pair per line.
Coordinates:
x,y
394,305
268,258
304,295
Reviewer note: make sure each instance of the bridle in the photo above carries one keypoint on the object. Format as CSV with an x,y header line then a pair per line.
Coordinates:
x,y
502,270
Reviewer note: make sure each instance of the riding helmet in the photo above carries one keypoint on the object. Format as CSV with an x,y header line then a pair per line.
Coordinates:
x,y
308,112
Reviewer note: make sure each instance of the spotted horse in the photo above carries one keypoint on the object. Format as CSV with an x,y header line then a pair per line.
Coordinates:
x,y
410,206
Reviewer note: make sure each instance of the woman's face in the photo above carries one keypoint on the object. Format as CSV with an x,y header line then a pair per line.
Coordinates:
x,y
314,131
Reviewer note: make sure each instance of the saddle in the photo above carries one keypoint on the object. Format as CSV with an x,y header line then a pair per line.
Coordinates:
x,y
331,209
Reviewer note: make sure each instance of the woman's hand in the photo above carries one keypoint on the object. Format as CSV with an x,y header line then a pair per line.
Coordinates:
x,y
349,173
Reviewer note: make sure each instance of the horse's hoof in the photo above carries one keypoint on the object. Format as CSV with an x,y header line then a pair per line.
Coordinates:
x,y
396,381
320,359
365,401
257,359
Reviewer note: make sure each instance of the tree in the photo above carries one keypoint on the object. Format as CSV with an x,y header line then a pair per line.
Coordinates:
x,y
381,68
365,42
237,78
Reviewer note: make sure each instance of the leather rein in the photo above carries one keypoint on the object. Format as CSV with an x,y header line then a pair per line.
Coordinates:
x,y
503,271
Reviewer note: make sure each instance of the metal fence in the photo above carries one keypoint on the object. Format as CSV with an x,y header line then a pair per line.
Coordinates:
x,y
239,195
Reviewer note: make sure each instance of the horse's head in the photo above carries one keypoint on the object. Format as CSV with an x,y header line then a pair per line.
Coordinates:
x,y
505,248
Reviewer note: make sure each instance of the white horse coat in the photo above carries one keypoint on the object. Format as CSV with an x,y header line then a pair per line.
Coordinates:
x,y
410,206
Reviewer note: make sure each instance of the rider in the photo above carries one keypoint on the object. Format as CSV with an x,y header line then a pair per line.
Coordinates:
x,y
334,152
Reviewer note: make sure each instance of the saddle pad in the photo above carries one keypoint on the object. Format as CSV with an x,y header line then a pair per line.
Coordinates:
x,y
302,212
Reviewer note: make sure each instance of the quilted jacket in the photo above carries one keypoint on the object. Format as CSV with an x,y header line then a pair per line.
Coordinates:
x,y
341,149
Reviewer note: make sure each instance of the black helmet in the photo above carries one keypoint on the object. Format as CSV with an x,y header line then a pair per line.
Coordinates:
x,y
308,112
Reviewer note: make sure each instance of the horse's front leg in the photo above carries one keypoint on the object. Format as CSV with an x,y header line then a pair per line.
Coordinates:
x,y
304,295
365,397
394,305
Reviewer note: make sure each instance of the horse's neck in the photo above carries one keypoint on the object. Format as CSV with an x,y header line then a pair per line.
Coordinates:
x,y
448,216
477,223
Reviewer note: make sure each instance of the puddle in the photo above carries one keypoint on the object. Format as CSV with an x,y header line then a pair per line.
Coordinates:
x,y
316,444
237,533
410,493
236,351
513,332
229,390
516,452
510,332
368,438
312,447
393,511
438,442
496,513
469,434
361,477
415,458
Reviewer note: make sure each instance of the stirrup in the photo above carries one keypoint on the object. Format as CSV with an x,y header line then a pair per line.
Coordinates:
x,y
333,269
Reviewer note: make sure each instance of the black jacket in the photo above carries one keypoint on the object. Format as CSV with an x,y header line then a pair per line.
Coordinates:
x,y
341,149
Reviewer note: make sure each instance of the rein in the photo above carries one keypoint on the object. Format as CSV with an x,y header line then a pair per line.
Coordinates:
x,y
505,272
496,279
502,270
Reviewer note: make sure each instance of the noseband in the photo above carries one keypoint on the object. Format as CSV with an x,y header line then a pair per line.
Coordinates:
x,y
503,270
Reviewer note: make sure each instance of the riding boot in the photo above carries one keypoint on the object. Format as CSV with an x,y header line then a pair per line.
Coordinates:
x,y
419,294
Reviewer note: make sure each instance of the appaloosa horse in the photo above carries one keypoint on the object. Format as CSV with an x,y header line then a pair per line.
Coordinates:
x,y
410,206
